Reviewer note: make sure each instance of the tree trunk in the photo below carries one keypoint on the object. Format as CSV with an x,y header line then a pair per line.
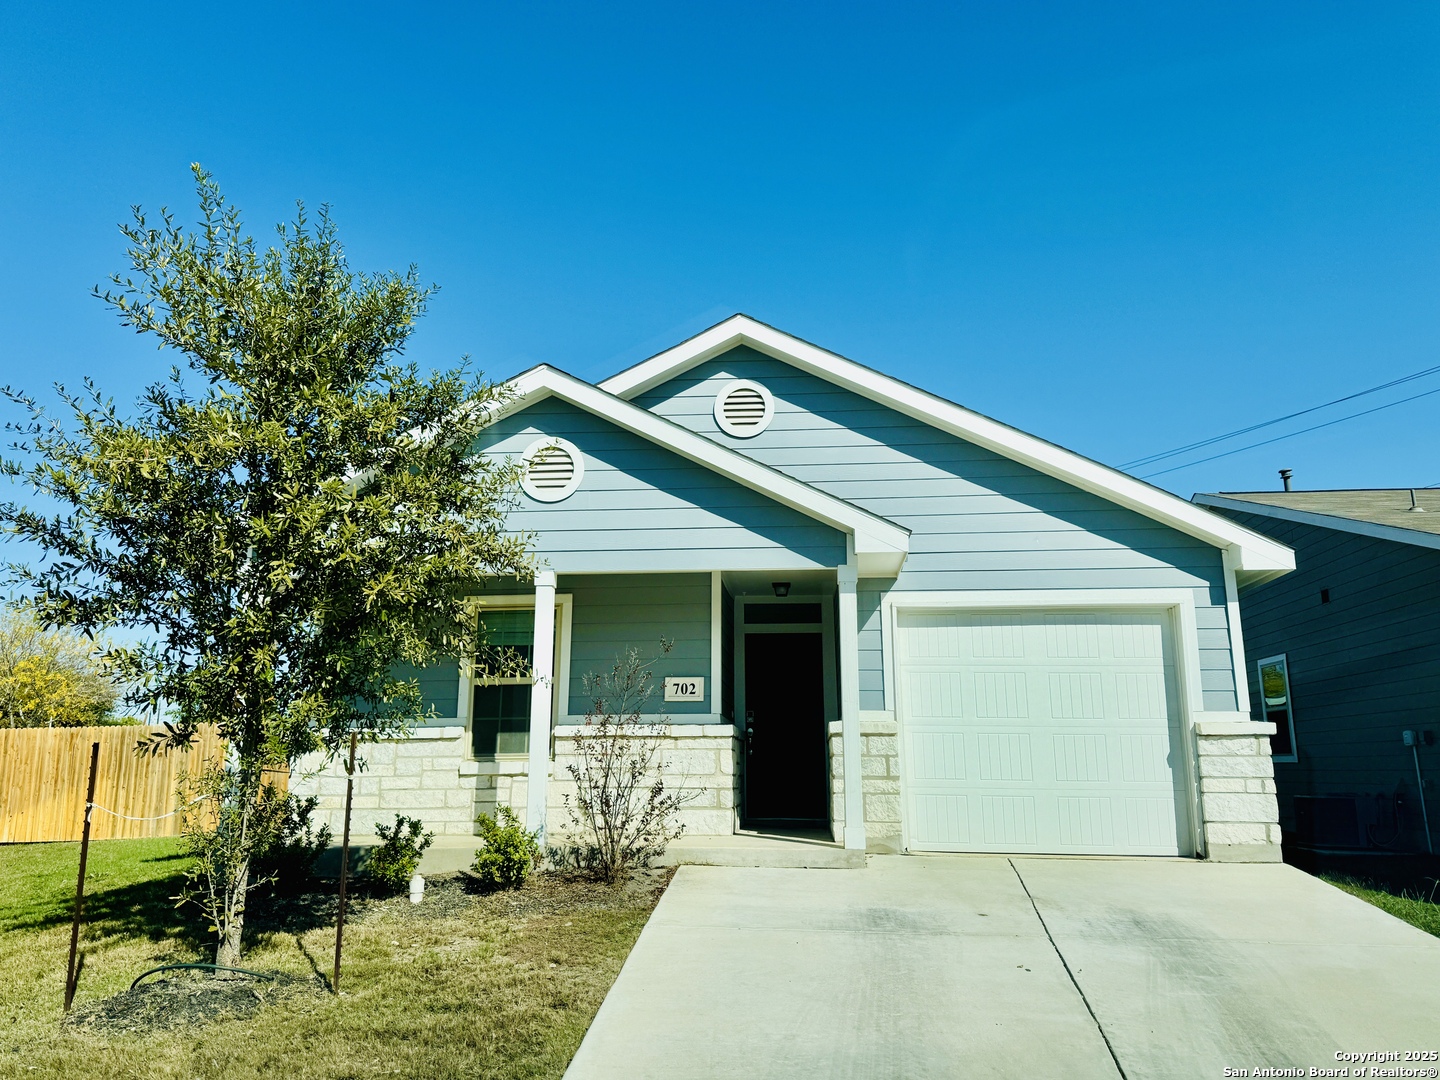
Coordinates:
x,y
227,953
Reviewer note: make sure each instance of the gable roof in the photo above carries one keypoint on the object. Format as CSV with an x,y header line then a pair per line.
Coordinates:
x,y
880,545
1384,513
1255,557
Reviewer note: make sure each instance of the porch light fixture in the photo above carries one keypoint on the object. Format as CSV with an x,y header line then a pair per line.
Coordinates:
x,y
782,588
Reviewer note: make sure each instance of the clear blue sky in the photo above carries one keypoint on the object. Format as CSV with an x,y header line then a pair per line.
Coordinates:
x,y
1121,227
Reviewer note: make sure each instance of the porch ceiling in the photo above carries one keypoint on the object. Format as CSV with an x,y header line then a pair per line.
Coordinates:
x,y
761,582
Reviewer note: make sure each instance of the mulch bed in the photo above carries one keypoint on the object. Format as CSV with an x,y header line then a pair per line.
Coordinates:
x,y
186,999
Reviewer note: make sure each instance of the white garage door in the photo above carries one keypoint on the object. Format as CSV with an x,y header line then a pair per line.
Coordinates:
x,y
1042,731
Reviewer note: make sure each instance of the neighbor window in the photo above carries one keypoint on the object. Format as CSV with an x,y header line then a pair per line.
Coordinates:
x,y
1275,706
500,711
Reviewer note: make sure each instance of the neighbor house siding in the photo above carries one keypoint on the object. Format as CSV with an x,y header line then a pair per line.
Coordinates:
x,y
614,613
641,508
1363,667
978,521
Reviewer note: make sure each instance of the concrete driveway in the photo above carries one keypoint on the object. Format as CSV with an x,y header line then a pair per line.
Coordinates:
x,y
1027,967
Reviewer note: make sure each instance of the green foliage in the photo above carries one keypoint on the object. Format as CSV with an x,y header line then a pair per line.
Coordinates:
x,y
230,820
1417,906
51,678
392,864
290,859
509,853
300,517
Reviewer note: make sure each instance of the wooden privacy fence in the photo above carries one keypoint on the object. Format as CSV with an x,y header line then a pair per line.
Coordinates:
x,y
43,773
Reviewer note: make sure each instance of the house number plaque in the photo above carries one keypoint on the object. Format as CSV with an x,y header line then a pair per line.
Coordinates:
x,y
684,688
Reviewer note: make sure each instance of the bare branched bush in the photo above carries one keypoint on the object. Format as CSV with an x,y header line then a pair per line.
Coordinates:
x,y
622,815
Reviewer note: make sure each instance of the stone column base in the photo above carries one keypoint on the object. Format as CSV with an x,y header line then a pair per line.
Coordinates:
x,y
1240,814
879,783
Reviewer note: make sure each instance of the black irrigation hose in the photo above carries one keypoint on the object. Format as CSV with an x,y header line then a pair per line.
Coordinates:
x,y
213,967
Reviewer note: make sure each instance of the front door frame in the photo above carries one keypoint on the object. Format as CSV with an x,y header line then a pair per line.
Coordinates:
x,y
828,664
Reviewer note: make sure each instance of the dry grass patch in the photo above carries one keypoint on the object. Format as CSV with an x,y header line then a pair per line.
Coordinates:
x,y
469,985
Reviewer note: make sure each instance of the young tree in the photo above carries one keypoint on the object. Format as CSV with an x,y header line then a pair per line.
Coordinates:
x,y
289,526
50,678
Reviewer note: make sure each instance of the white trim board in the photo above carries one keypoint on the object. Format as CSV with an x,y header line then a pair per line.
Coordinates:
x,y
880,545
560,699
1324,521
1256,557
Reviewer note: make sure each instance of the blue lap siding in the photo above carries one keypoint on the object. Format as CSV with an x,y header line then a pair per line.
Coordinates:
x,y
978,521
640,508
614,613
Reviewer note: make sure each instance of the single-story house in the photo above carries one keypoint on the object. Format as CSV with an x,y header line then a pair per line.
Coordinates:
x,y
1346,660
894,619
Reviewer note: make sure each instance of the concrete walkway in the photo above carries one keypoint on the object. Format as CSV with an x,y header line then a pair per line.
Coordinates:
x,y
941,967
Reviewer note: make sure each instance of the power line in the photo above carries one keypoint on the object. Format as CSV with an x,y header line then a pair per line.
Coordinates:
x,y
1153,458
1291,435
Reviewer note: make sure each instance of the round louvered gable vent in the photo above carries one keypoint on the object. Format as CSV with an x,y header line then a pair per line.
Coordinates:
x,y
553,469
744,408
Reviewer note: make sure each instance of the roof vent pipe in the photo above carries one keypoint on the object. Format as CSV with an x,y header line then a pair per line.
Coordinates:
x,y
1415,507
1285,478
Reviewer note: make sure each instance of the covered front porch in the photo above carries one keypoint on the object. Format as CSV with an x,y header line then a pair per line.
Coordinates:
x,y
759,700
760,697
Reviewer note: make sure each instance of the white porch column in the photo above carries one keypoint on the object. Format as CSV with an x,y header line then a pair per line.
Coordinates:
x,y
849,633
542,694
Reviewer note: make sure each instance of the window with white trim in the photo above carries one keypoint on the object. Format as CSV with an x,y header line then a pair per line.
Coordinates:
x,y
744,409
553,469
1276,707
500,707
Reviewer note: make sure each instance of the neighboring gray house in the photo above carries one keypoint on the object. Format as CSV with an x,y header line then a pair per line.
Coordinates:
x,y
1349,649
895,620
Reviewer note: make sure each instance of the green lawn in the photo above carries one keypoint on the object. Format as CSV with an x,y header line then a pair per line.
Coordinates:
x,y
1412,905
500,986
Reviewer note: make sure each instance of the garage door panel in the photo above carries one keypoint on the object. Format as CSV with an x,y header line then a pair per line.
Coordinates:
x,y
940,820
934,694
1140,695
938,755
1136,640
1001,695
997,637
1008,821
1039,731
1070,637
1081,759
1151,824
1086,822
1145,759
1076,695
1004,755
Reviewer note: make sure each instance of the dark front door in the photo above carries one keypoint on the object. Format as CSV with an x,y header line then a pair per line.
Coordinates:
x,y
785,767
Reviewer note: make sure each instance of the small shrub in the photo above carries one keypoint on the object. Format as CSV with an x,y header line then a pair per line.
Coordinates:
x,y
621,813
509,852
392,864
289,859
